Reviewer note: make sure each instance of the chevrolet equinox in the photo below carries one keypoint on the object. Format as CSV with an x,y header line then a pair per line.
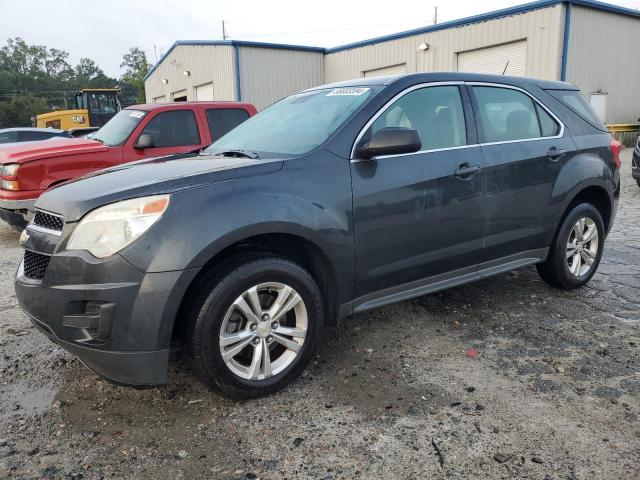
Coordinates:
x,y
333,201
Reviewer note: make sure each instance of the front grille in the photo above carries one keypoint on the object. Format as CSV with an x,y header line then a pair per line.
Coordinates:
x,y
35,265
47,220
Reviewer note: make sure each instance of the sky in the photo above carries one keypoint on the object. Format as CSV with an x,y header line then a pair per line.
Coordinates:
x,y
104,31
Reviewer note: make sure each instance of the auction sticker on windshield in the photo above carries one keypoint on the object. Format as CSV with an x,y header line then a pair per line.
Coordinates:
x,y
349,91
136,114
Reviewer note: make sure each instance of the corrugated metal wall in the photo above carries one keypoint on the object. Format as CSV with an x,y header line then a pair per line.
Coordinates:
x,y
204,62
604,55
541,28
269,74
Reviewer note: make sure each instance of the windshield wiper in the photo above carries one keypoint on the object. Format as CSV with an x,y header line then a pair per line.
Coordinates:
x,y
239,154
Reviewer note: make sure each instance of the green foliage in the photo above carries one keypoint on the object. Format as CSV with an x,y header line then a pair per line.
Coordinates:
x,y
136,67
18,111
35,79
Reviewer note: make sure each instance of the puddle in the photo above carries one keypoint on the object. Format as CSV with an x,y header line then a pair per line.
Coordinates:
x,y
24,400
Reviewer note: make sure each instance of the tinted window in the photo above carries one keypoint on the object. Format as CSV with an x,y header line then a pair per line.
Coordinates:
x,y
436,112
173,129
576,102
31,136
223,120
506,114
8,137
548,125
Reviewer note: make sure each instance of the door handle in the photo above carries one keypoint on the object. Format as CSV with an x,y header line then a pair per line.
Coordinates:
x,y
555,153
466,171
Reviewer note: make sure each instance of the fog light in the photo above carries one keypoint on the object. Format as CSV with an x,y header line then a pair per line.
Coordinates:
x,y
10,185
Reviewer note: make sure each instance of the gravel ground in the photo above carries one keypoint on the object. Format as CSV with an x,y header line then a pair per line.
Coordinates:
x,y
553,392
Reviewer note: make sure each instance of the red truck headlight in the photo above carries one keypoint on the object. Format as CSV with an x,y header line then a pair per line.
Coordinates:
x,y
10,170
9,174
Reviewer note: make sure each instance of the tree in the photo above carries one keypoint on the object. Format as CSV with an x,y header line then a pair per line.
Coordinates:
x,y
87,74
18,111
136,67
34,78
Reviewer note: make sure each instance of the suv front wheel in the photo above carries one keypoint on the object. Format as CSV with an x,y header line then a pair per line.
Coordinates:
x,y
254,326
577,249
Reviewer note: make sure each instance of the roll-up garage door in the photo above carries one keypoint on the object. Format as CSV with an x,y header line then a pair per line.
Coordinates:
x,y
493,60
400,69
180,96
204,92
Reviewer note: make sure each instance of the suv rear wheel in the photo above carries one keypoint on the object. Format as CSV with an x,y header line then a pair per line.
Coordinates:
x,y
254,326
577,249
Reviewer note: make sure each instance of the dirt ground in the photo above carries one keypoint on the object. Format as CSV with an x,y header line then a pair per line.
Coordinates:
x,y
553,393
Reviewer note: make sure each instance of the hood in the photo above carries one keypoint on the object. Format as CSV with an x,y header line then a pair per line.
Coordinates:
x,y
53,147
153,176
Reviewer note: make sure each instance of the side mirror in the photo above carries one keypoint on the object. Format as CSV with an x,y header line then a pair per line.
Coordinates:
x,y
390,141
144,141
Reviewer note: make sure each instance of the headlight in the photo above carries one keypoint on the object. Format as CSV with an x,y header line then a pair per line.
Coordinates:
x,y
10,170
107,230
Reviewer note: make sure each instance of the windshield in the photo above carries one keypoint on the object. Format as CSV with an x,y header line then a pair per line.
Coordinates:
x,y
118,129
295,125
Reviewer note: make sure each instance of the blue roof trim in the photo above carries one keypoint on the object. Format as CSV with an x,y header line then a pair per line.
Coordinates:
x,y
607,7
232,43
505,12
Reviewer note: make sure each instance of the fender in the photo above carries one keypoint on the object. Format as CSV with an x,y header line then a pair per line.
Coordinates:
x,y
580,172
294,200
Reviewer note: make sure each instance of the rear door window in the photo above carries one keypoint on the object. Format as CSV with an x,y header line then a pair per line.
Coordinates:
x,y
435,112
173,129
506,114
223,120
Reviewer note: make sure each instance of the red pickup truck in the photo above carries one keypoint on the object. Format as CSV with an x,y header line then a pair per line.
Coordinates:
x,y
135,133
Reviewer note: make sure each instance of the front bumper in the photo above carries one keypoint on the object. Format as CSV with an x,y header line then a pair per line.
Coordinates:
x,y
14,212
122,368
117,320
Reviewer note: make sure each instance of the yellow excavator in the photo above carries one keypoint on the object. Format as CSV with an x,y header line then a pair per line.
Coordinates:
x,y
93,108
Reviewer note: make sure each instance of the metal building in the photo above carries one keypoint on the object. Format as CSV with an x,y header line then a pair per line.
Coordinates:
x,y
593,45
260,73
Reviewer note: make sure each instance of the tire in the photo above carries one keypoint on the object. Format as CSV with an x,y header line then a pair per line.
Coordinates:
x,y
638,181
217,304
557,269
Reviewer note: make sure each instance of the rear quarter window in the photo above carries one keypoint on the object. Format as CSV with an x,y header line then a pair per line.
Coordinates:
x,y
574,100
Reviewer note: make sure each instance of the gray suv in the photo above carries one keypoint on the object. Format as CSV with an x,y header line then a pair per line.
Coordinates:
x,y
333,201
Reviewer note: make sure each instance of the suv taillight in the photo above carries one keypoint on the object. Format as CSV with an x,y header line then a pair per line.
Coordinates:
x,y
616,148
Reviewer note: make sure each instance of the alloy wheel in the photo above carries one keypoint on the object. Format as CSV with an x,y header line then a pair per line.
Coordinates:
x,y
263,331
582,247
